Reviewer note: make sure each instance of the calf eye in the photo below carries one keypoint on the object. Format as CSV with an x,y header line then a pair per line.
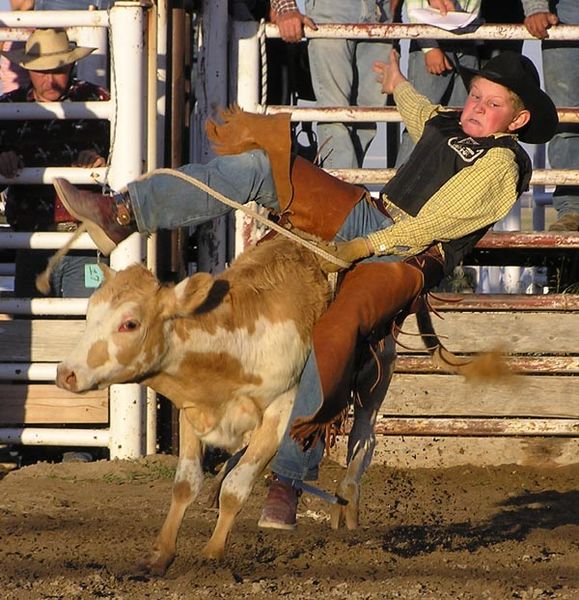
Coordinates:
x,y
129,325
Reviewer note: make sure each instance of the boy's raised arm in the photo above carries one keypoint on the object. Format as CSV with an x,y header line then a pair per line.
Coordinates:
x,y
389,74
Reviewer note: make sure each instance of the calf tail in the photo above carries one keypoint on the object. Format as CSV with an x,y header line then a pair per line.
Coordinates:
x,y
488,366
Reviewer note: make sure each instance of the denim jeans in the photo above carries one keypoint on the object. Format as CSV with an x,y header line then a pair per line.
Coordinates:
x,y
561,75
67,279
342,76
164,202
447,89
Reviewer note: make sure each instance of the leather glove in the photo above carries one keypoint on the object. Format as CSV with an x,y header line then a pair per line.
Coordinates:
x,y
350,252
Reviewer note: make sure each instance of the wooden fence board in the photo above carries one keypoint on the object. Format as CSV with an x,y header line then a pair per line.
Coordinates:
x,y
460,426
522,332
36,340
48,405
528,396
407,452
523,364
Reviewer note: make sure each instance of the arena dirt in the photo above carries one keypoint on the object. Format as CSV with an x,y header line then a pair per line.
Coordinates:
x,y
75,531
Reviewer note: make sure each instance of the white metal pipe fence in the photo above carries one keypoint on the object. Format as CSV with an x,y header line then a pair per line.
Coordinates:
x,y
126,435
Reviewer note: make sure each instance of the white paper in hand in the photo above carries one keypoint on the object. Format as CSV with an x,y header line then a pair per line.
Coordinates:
x,y
451,21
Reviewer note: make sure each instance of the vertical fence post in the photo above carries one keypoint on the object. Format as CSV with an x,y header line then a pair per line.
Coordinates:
x,y
211,93
127,402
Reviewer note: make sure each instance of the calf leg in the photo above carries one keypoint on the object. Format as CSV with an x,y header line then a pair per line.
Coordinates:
x,y
362,439
239,482
186,486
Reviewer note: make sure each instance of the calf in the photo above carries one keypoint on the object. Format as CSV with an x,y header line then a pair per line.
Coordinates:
x,y
228,351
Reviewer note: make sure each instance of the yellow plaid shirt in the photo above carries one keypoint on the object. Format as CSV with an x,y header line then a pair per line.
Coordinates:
x,y
476,196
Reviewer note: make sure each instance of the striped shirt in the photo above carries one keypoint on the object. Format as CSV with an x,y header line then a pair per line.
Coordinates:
x,y
475,197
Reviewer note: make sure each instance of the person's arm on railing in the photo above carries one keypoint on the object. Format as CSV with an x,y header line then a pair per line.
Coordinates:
x,y
538,18
289,20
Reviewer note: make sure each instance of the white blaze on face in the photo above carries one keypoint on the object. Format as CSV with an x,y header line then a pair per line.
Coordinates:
x,y
111,349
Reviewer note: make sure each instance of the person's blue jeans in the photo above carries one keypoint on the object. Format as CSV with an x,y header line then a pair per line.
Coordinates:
x,y
161,201
67,279
342,75
447,89
561,75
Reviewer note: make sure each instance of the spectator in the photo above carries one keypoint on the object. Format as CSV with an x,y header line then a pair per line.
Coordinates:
x,y
49,58
561,75
431,68
466,173
341,70
507,11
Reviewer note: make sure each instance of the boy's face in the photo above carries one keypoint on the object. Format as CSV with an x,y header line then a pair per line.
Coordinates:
x,y
489,109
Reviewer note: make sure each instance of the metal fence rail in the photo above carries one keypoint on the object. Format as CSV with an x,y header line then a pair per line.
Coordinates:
x,y
126,435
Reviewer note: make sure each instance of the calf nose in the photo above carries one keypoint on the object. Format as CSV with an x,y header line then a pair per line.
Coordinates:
x,y
65,378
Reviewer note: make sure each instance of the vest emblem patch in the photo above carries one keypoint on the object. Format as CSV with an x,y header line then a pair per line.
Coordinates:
x,y
467,148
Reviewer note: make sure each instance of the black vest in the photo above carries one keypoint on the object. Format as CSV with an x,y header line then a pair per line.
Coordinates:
x,y
442,151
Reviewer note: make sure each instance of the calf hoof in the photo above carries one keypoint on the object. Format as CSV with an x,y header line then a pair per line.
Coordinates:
x,y
348,513
155,564
213,551
344,514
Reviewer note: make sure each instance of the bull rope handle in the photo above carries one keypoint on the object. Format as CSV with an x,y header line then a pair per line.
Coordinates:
x,y
253,214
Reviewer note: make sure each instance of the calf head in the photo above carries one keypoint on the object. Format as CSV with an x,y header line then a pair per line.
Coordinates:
x,y
127,322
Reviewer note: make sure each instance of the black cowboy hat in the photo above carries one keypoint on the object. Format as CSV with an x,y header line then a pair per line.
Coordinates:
x,y
518,73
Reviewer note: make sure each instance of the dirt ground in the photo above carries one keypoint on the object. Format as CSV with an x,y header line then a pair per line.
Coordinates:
x,y
75,531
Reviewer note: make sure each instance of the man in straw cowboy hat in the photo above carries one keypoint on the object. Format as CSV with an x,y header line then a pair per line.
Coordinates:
x,y
466,172
49,58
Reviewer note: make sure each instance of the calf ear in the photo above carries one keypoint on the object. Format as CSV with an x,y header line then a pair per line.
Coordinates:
x,y
197,294
108,273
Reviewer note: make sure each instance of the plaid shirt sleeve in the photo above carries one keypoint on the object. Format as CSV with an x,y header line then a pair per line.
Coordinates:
x,y
284,6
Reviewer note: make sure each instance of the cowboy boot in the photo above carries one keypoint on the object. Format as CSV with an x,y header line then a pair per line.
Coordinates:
x,y
108,219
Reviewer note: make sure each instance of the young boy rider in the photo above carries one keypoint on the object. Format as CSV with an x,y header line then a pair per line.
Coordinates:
x,y
465,173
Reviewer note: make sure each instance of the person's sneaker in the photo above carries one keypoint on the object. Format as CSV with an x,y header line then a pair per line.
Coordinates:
x,y
108,222
567,222
281,505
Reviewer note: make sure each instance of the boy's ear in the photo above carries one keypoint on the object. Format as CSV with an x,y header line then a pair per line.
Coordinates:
x,y
520,121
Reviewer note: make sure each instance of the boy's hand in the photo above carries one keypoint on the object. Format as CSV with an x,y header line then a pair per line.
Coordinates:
x,y
350,252
389,74
436,62
539,23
